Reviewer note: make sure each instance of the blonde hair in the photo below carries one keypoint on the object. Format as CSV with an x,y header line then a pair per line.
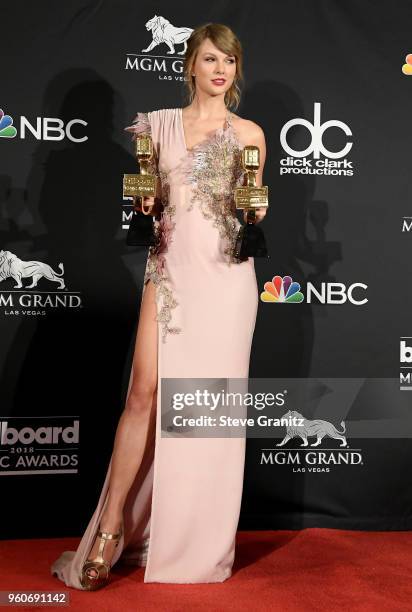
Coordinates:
x,y
227,42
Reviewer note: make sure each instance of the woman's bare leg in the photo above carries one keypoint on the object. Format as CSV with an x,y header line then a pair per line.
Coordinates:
x,y
133,427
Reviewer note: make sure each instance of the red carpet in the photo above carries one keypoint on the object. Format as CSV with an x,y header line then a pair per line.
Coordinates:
x,y
285,571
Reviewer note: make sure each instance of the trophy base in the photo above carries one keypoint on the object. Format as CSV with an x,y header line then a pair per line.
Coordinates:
x,y
250,242
141,230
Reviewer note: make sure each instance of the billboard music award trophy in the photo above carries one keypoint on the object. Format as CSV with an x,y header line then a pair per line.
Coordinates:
x,y
138,186
250,241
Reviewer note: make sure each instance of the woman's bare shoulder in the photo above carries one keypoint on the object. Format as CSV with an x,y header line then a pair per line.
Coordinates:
x,y
248,130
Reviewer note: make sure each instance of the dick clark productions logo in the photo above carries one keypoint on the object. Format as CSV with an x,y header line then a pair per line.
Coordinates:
x,y
298,161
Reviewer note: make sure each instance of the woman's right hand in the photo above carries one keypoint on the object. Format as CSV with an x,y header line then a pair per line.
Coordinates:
x,y
148,203
137,201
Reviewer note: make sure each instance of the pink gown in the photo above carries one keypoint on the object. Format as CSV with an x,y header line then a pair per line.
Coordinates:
x,y
182,511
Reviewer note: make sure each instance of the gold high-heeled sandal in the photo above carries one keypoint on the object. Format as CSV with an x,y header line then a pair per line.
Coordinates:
x,y
98,563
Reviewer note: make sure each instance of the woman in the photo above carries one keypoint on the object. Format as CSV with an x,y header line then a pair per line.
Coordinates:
x,y
175,508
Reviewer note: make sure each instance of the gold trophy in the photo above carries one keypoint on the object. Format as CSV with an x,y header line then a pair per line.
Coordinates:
x,y
250,241
139,186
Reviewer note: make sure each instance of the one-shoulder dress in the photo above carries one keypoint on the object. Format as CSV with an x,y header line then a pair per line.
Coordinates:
x,y
182,511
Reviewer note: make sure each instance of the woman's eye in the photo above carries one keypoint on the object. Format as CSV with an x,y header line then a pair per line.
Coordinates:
x,y
212,58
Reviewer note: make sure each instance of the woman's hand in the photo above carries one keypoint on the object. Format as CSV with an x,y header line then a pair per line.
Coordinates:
x,y
137,201
260,214
148,201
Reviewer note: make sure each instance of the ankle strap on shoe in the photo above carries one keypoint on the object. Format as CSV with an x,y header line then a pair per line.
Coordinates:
x,y
109,536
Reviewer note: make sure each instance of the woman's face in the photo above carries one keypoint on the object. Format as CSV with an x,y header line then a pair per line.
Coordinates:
x,y
212,64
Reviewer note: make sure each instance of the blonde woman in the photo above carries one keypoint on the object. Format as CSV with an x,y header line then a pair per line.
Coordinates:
x,y
172,504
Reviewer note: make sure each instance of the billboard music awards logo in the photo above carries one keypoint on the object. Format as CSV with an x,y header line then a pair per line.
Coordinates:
x,y
169,42
286,291
303,458
405,358
33,445
17,300
308,161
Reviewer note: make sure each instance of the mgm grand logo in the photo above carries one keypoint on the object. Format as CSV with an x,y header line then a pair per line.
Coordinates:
x,y
18,301
304,459
165,51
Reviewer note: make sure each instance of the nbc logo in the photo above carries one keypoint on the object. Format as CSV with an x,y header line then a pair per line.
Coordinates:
x,y
282,290
7,129
285,290
407,68
45,128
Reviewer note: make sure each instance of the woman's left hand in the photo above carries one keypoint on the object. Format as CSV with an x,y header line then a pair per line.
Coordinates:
x,y
260,214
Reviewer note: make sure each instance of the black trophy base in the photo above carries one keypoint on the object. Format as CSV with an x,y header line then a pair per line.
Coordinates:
x,y
141,230
250,242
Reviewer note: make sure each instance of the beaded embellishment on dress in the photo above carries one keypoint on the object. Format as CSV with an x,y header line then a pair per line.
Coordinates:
x,y
155,267
214,169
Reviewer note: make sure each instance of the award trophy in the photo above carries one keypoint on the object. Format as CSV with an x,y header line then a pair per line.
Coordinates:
x,y
141,232
250,241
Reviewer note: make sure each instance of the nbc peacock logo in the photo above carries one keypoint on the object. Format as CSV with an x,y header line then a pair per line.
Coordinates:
x,y
282,290
7,129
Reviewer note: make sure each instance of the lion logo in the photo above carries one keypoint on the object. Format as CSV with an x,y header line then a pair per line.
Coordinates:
x,y
317,428
12,266
164,32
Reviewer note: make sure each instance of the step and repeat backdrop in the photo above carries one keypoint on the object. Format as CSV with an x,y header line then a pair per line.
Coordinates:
x,y
330,83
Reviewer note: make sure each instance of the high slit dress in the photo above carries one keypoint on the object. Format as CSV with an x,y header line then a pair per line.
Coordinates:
x,y
182,510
